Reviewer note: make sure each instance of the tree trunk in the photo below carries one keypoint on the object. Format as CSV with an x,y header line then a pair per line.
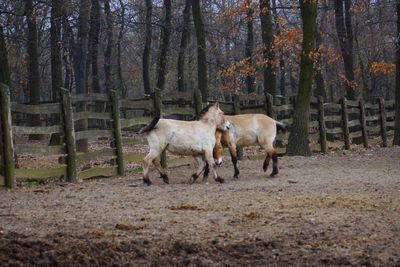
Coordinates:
x,y
56,63
68,42
33,85
4,67
298,138
249,48
147,48
119,66
55,41
201,50
182,47
282,67
81,50
108,52
396,139
268,52
4,77
165,36
318,75
94,45
345,35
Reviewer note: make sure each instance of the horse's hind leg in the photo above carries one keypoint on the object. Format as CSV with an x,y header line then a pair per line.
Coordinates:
x,y
161,170
233,152
148,161
271,153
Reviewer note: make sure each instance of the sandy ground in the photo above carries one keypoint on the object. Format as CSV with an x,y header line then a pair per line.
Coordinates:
x,y
337,209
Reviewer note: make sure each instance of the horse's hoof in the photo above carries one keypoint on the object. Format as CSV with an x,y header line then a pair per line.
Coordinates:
x,y
193,178
220,180
236,176
273,174
165,178
147,181
265,167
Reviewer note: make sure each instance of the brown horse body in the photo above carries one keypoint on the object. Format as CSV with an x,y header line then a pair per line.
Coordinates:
x,y
248,130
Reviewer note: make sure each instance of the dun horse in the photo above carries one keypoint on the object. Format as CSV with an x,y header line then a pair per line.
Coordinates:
x,y
192,138
248,130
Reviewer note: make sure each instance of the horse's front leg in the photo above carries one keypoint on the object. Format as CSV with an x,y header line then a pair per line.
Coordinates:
x,y
200,167
211,165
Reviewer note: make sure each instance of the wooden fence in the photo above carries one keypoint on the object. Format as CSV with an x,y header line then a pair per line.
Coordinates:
x,y
110,118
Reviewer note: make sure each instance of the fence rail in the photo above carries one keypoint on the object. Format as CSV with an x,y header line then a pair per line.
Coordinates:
x,y
347,122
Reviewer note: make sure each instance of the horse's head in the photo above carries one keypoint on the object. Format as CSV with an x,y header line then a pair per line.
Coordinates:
x,y
213,113
218,150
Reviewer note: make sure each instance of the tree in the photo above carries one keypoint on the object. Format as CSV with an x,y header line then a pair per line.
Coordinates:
x,y
249,48
4,75
396,139
33,85
147,48
298,138
55,40
345,35
108,51
201,51
182,47
94,45
80,59
164,45
268,52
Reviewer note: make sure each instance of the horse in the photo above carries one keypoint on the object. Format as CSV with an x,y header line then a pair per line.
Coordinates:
x,y
190,138
248,130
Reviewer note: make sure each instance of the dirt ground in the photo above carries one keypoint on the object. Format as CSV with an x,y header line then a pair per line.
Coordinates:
x,y
337,209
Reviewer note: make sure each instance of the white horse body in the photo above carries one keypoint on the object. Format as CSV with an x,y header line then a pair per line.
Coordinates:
x,y
190,138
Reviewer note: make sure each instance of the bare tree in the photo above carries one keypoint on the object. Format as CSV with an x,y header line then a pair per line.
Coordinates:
x,y
164,45
147,48
268,52
249,48
396,139
201,51
345,34
182,47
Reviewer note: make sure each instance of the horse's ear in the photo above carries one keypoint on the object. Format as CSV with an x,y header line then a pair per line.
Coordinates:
x,y
216,104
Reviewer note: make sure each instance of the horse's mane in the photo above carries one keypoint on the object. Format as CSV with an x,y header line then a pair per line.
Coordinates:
x,y
204,111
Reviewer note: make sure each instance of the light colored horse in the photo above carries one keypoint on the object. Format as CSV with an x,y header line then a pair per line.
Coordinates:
x,y
191,138
248,130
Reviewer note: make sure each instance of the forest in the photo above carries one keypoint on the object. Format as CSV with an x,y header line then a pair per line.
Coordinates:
x,y
220,48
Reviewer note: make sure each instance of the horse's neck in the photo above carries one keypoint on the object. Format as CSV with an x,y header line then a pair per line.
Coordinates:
x,y
210,123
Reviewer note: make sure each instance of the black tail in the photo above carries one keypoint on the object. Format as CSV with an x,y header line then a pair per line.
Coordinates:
x,y
150,126
281,126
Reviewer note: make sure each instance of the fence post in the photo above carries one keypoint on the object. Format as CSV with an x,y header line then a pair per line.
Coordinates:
x,y
69,135
117,131
382,111
345,119
322,127
269,105
236,111
197,101
363,123
8,145
157,112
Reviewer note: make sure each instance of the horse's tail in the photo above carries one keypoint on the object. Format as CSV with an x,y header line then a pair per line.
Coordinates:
x,y
150,126
281,126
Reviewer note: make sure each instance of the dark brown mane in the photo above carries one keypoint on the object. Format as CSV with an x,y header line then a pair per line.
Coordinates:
x,y
204,111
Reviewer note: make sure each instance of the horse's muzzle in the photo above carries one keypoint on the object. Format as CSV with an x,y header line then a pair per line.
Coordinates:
x,y
219,162
227,125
